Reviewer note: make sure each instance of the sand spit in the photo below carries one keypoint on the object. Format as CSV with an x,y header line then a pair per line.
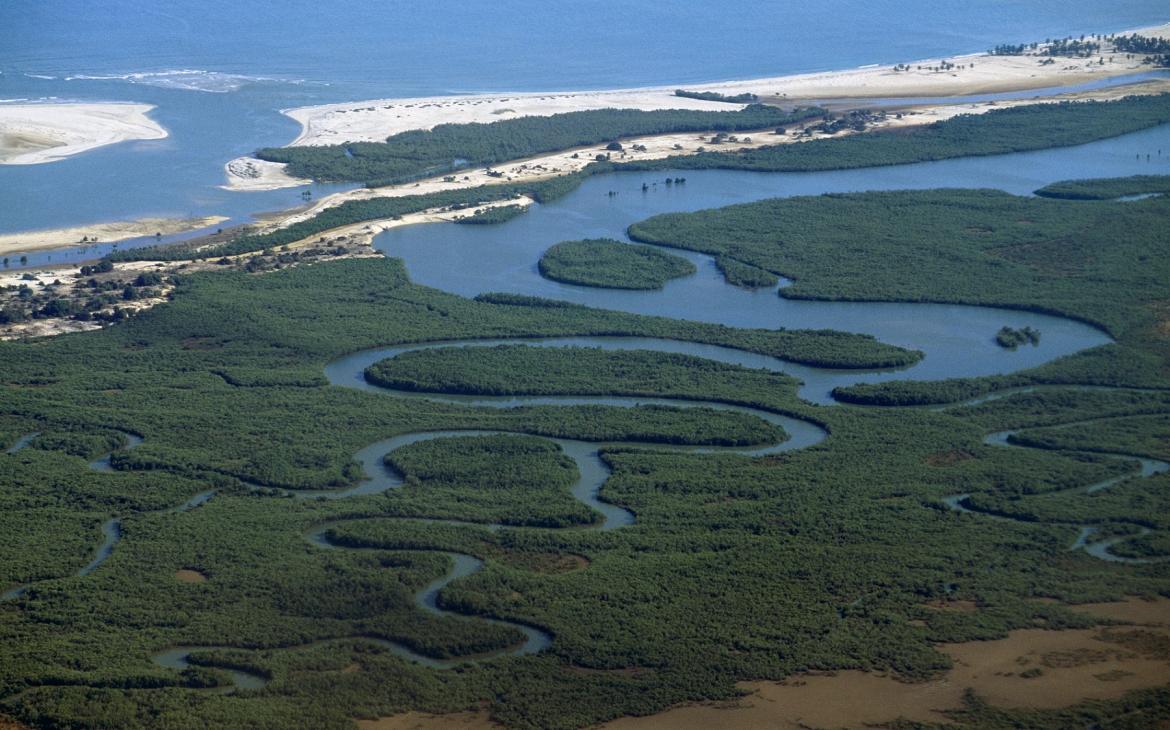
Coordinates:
x,y
32,134
26,241
374,120
362,234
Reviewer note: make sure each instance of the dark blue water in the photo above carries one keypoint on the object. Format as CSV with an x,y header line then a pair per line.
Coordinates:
x,y
219,71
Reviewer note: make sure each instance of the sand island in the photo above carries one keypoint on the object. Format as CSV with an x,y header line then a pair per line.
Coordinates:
x,y
32,134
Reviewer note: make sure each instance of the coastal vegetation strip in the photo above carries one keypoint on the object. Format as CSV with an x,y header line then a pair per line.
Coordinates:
x,y
1001,131
493,214
448,148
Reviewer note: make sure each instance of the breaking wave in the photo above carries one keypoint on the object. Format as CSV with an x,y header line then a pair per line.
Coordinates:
x,y
216,82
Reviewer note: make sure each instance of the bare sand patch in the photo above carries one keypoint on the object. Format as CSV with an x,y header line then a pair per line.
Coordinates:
x,y
249,173
362,234
186,575
425,721
847,699
1133,610
956,606
109,232
31,134
60,281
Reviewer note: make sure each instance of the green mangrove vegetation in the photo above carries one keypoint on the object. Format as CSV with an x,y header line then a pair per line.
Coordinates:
x,y
737,273
799,528
611,264
495,214
523,370
1010,338
822,348
517,480
744,98
1107,188
963,246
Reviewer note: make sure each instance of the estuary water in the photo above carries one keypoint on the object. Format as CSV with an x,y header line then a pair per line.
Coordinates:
x,y
220,71
958,340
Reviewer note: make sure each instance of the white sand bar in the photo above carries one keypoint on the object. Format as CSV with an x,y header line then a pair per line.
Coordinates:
x,y
373,121
32,134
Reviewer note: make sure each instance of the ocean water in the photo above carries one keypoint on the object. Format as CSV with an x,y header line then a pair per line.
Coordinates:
x,y
219,71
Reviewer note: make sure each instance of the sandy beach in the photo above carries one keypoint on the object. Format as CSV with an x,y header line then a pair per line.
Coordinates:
x,y
32,134
26,241
371,121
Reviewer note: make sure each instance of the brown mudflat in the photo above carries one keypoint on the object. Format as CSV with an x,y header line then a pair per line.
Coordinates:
x,y
190,576
1031,668
427,721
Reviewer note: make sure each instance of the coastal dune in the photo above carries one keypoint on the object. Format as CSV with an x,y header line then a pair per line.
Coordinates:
x,y
32,134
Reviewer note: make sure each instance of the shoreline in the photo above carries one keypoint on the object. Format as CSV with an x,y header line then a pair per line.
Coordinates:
x,y
39,133
680,144
270,176
375,119
108,232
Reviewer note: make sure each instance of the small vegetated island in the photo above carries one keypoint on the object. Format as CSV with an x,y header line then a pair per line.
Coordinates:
x,y
604,262
494,214
1010,338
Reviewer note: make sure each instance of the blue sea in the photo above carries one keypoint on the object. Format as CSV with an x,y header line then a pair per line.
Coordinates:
x,y
219,72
